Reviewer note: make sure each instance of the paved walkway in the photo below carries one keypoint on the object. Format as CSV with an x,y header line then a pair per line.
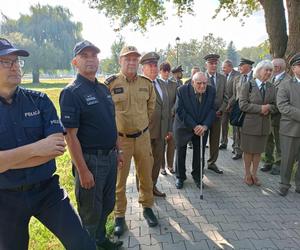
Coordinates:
x,y
231,215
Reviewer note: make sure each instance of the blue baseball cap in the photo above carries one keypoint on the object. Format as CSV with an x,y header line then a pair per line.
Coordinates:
x,y
83,45
6,48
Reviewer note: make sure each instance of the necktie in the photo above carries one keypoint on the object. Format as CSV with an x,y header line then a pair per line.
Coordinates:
x,y
263,90
199,97
245,78
212,81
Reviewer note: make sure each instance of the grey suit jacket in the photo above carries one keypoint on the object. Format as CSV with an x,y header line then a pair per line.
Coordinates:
x,y
237,85
160,120
230,87
275,118
221,98
250,102
288,103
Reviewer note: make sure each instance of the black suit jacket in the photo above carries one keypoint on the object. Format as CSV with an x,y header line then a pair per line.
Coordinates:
x,y
190,113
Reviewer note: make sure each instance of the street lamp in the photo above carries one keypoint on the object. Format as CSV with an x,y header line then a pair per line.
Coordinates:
x,y
177,40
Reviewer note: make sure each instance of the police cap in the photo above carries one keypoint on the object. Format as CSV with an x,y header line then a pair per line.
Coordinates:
x,y
80,46
177,69
7,48
129,50
245,61
151,57
211,57
295,60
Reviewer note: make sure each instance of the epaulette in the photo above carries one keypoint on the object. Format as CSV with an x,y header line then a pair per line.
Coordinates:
x,y
145,77
110,79
32,92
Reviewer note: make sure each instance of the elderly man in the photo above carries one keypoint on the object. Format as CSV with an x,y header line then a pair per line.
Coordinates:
x,y
134,98
160,122
217,81
288,103
231,74
31,136
279,77
87,113
195,114
246,74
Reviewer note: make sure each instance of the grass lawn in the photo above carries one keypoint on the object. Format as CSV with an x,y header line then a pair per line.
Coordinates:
x,y
40,237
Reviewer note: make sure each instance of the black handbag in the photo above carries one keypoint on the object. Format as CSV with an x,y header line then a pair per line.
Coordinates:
x,y
237,116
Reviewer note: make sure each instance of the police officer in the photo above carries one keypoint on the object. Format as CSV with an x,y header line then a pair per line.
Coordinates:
x,y
30,138
134,99
87,113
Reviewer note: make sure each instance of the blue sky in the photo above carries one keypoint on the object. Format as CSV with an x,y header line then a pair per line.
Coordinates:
x,y
97,28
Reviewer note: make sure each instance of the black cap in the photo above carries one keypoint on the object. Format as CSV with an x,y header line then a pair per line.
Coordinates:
x,y
7,48
211,57
83,45
151,57
177,69
295,60
245,61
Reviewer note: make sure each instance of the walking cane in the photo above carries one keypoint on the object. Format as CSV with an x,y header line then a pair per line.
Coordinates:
x,y
201,162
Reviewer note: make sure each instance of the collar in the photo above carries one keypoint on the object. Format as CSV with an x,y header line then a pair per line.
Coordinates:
x,y
214,75
82,79
279,75
258,82
14,96
165,81
298,79
128,80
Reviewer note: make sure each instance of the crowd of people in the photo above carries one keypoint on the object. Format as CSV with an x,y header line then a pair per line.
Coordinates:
x,y
145,117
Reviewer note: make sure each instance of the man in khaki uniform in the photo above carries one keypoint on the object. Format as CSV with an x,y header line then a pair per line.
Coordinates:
x,y
279,77
160,122
217,81
134,98
288,103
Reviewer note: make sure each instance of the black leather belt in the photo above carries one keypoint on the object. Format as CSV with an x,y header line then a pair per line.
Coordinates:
x,y
98,151
28,187
135,135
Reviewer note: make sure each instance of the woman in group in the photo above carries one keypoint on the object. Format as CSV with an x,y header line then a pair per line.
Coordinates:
x,y
257,99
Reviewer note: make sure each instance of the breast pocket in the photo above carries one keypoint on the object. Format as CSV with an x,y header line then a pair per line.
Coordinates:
x,y
142,100
33,128
120,101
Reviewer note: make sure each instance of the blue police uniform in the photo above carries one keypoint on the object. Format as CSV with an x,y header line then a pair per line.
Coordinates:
x,y
33,191
88,106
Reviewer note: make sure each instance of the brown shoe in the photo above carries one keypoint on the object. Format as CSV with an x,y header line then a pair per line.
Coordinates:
x,y
157,193
248,180
256,181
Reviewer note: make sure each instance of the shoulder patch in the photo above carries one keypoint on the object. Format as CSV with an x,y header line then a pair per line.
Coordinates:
x,y
110,79
33,92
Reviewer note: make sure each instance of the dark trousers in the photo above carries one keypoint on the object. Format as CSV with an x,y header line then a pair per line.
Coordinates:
x,y
181,158
51,206
95,204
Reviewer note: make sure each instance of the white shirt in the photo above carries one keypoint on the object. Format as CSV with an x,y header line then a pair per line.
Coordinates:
x,y
158,88
278,76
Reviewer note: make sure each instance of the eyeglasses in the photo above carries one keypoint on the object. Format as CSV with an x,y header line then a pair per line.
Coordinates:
x,y
200,83
8,64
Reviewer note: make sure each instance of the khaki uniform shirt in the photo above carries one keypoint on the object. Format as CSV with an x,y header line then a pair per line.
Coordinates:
x,y
134,102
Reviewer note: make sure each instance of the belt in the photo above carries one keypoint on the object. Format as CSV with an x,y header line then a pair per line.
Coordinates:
x,y
133,135
99,151
28,187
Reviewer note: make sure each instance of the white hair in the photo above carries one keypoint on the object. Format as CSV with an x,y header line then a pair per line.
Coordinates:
x,y
265,64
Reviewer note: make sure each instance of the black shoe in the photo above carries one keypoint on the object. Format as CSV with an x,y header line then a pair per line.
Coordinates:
x,y
179,184
236,156
266,168
109,245
223,146
275,170
282,191
120,226
214,168
150,217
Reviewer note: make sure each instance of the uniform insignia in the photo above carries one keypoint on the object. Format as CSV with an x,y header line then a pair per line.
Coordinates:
x,y
146,78
33,92
110,79
119,90
90,99
143,89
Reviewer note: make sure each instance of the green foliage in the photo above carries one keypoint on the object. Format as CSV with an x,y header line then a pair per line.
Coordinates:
x,y
47,33
232,54
256,53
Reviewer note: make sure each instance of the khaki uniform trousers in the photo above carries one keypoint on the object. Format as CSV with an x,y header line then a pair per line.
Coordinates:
x,y
140,149
170,151
214,139
158,155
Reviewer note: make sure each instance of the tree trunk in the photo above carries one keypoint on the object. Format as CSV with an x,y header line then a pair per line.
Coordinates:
x,y
293,46
276,26
36,76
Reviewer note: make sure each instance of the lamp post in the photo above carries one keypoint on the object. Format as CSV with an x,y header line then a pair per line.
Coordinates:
x,y
177,40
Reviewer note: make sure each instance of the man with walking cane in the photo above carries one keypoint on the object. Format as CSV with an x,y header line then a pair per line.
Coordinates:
x,y
195,113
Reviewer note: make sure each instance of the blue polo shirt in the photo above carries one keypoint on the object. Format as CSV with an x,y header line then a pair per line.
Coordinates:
x,y
29,118
88,106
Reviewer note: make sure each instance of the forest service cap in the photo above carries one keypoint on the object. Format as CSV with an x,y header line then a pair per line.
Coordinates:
x,y
7,48
129,50
151,57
